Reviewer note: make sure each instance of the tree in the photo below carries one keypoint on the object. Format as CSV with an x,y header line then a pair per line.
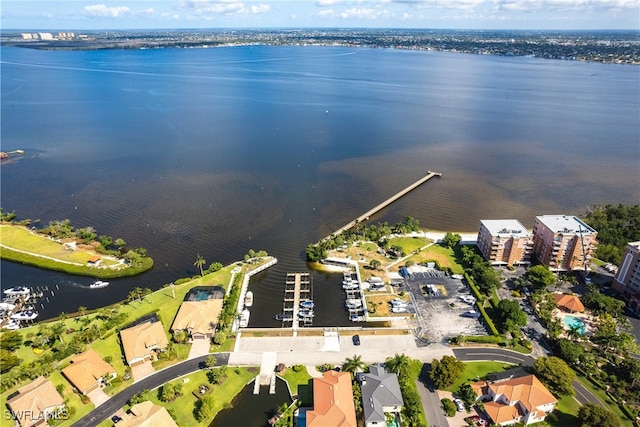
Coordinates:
x,y
57,329
204,408
10,340
451,239
554,373
398,364
512,317
82,310
170,391
375,264
354,364
541,277
120,243
595,415
445,371
211,361
8,360
200,262
467,394
219,337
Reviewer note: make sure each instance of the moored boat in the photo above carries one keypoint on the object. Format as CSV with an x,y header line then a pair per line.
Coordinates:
x,y
25,315
98,284
307,304
244,318
18,290
12,325
284,317
248,299
306,314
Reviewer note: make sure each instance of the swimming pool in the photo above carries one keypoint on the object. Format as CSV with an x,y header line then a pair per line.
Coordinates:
x,y
574,322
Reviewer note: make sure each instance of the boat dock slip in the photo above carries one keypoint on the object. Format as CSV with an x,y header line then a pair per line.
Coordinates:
x,y
365,216
297,288
267,374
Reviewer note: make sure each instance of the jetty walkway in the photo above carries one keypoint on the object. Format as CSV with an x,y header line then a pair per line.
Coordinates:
x,y
365,216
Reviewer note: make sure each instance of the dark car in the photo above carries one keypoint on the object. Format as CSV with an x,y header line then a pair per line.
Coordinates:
x,y
116,419
356,340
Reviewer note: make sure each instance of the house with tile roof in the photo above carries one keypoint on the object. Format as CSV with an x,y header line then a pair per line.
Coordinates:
x,y
332,401
142,341
147,414
381,395
524,399
198,318
88,371
35,403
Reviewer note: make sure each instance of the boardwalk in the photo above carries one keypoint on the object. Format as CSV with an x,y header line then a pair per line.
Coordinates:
x,y
365,216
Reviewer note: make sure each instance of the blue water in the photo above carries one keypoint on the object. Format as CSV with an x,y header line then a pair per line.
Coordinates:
x,y
218,151
576,322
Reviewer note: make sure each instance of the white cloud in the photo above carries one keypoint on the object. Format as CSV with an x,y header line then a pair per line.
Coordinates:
x,y
366,13
225,7
326,13
325,3
102,11
260,8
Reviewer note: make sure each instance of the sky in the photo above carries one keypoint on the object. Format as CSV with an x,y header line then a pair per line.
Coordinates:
x,y
444,14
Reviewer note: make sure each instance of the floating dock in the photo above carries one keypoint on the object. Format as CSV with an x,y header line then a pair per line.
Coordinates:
x,y
297,288
365,216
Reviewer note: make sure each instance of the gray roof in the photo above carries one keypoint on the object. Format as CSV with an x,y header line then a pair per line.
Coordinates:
x,y
379,388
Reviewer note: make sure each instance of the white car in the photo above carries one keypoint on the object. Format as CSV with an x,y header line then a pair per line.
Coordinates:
x,y
459,404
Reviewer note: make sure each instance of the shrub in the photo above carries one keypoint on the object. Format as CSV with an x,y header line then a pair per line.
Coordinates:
x,y
448,407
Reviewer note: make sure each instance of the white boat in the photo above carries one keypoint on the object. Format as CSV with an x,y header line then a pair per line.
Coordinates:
x,y
306,314
307,304
98,284
353,303
25,315
5,306
285,317
18,290
350,285
248,299
244,318
12,325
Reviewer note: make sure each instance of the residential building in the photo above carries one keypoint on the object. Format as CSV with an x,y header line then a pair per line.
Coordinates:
x,y
563,243
332,401
88,371
147,414
381,395
505,242
627,279
35,403
518,400
198,318
142,341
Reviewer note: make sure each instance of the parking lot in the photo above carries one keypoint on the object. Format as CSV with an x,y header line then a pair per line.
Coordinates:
x,y
438,306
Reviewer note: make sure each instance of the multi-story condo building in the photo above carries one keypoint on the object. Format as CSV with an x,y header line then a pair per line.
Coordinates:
x,y
627,280
505,242
563,243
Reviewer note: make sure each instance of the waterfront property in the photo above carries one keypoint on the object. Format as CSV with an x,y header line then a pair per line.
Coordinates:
x,y
563,243
198,314
524,399
381,395
332,401
147,414
505,242
142,341
88,371
36,402
627,279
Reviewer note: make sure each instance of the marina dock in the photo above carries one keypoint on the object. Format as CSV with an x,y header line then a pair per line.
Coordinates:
x,y
365,216
297,289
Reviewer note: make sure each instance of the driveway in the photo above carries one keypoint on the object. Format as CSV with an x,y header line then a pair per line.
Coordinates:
x,y
98,397
199,347
430,399
141,370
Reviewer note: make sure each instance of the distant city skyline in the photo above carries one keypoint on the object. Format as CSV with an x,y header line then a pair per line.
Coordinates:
x,y
449,14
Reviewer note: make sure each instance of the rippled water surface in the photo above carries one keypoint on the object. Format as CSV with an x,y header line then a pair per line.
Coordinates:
x,y
217,151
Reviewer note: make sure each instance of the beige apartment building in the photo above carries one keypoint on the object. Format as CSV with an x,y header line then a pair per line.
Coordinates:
x,y
627,280
505,242
563,243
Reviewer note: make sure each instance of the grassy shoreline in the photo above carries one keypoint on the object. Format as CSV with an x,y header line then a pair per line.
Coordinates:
x,y
21,245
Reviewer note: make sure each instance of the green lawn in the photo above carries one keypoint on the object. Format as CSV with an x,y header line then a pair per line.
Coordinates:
x,y
445,258
566,413
473,371
409,244
294,379
611,405
184,406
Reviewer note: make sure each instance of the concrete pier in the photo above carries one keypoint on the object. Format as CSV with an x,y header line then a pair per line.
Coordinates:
x,y
365,216
297,289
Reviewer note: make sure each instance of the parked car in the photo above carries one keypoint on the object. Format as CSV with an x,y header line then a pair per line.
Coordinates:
x,y
116,419
356,339
459,404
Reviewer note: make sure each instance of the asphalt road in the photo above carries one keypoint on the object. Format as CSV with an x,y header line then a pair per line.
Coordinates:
x,y
112,405
430,399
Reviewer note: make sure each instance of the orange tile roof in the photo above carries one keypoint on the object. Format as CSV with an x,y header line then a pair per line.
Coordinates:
x,y
36,398
198,316
528,391
86,369
138,341
332,401
147,414
568,302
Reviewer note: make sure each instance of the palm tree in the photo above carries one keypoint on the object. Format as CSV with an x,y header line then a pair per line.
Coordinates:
x,y
82,310
63,316
354,364
199,263
398,364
